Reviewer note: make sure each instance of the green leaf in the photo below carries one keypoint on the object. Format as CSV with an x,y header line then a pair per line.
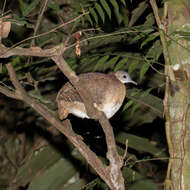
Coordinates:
x,y
76,23
140,144
135,92
100,12
121,63
89,19
123,1
53,5
94,15
82,20
154,103
151,37
79,184
100,62
36,164
52,178
135,180
135,108
144,69
115,4
106,7
15,61
20,21
128,104
139,36
146,92
182,33
23,6
150,20
116,11
111,62
132,66
137,12
30,7
155,50
125,16
86,63
118,16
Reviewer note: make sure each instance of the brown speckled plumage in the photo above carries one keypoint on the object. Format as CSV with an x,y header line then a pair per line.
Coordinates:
x,y
105,89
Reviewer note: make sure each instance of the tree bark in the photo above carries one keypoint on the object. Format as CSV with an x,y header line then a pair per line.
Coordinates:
x,y
177,94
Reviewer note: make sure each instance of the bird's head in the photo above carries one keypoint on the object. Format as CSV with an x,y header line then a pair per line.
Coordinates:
x,y
124,77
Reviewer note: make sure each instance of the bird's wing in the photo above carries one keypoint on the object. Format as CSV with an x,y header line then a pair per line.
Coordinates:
x,y
99,86
68,93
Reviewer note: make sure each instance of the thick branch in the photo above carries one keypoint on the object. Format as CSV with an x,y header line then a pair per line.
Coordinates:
x,y
9,93
112,154
33,51
112,175
64,127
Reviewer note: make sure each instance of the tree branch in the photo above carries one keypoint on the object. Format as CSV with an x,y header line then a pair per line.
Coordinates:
x,y
112,174
115,160
33,51
64,128
9,93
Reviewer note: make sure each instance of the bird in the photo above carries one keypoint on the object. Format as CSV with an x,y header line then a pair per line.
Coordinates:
x,y
107,91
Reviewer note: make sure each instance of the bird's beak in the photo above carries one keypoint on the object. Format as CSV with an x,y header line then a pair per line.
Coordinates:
x,y
131,81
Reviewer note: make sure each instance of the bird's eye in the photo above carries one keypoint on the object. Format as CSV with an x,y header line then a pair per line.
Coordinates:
x,y
124,76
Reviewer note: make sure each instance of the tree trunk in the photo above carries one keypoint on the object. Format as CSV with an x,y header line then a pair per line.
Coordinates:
x,y
177,94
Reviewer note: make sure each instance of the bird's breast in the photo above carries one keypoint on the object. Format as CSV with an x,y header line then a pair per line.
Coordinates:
x,y
114,100
110,109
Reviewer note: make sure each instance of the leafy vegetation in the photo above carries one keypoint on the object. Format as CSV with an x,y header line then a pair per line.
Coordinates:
x,y
115,35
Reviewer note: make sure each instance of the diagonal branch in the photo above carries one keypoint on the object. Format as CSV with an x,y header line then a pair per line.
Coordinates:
x,y
116,161
112,174
64,128
32,51
9,93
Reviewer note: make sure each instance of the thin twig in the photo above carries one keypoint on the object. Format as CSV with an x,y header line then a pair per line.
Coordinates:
x,y
48,32
3,9
153,68
38,52
156,15
108,35
1,21
42,10
161,31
